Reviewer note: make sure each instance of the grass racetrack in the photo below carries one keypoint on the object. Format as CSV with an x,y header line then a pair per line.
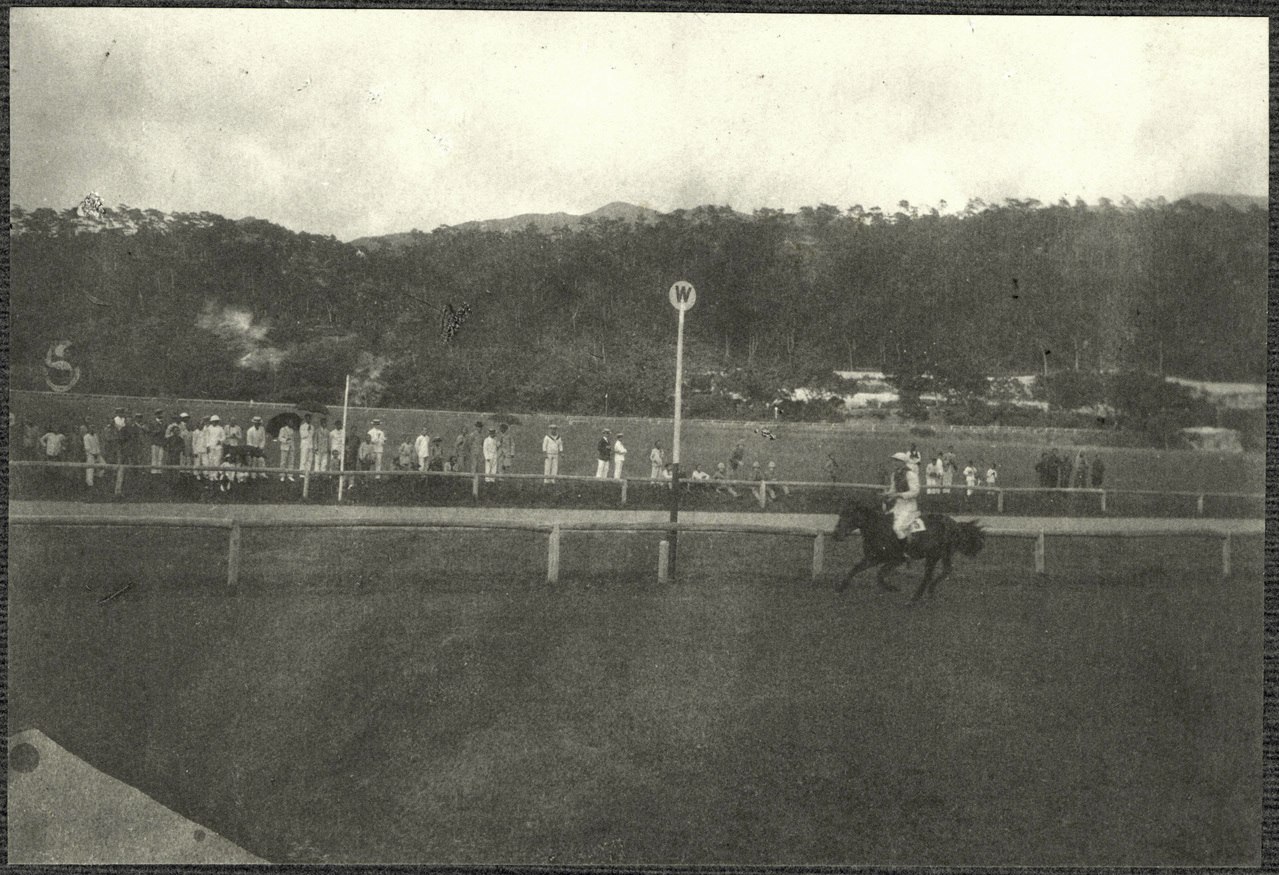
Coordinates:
x,y
389,696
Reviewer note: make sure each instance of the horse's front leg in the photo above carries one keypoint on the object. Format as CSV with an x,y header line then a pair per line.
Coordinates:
x,y
866,562
929,564
888,566
945,572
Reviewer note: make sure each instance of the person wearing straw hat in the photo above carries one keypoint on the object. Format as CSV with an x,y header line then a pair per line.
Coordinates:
x,y
214,438
255,441
904,496
552,448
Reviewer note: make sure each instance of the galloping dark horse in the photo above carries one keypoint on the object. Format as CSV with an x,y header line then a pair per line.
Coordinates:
x,y
940,538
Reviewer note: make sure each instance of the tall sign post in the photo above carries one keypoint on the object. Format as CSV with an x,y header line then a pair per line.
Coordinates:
x,y
683,296
346,430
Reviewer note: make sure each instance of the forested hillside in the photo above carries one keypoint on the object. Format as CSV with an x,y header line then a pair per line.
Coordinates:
x,y
200,305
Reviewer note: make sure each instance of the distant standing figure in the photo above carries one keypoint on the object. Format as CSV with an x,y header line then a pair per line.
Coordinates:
x,y
173,441
92,455
197,447
992,474
657,462
491,445
477,448
949,466
736,458
721,474
285,439
619,457
404,458
463,446
422,448
184,420
604,454
933,475
337,446
306,444
505,449
323,444
771,476
970,475
552,449
913,454
214,439
1079,473
832,468
377,444
52,442
157,433
255,441
1042,469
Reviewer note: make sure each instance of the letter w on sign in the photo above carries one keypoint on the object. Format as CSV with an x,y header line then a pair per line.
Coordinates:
x,y
683,296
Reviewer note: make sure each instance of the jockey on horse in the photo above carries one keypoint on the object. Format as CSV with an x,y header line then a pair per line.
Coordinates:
x,y
903,497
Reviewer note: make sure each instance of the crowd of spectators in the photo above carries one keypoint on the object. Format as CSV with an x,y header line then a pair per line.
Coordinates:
x,y
1059,471
941,473
225,452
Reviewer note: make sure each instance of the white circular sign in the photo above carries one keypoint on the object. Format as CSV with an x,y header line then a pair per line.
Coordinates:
x,y
683,295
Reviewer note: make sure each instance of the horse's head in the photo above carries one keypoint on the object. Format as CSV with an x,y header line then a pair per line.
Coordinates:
x,y
972,538
852,517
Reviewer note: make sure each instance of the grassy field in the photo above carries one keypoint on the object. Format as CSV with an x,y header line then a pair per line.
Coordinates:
x,y
799,449
393,697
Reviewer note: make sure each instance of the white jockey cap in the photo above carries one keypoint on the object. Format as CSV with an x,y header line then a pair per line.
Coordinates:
x,y
901,457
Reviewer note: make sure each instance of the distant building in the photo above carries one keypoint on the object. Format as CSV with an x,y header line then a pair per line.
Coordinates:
x,y
1213,440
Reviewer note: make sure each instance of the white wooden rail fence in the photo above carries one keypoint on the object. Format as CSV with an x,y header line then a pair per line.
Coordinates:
x,y
757,488
554,531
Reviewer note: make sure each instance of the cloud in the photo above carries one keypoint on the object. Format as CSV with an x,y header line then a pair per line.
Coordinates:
x,y
236,326
355,122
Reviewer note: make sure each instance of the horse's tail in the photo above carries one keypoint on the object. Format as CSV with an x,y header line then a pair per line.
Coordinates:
x,y
970,538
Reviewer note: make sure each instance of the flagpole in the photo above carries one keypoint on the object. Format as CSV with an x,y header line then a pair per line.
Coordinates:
x,y
346,427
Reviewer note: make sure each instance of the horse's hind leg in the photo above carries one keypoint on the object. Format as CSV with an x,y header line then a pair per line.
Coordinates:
x,y
866,562
929,564
883,574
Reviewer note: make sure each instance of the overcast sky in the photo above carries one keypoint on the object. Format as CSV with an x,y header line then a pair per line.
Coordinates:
x,y
352,122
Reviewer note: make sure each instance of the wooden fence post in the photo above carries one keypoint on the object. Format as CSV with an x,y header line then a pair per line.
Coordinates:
x,y
1225,555
119,479
624,490
762,497
475,485
999,505
553,555
1103,501
1039,553
233,557
306,482
819,549
1199,505
663,562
